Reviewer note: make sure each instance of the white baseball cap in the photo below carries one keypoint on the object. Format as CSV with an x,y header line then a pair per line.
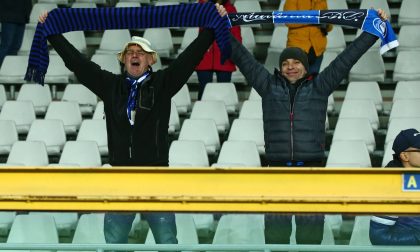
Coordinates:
x,y
143,43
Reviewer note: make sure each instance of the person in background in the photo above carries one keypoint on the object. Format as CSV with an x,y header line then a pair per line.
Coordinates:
x,y
294,104
13,17
399,230
137,109
311,38
211,60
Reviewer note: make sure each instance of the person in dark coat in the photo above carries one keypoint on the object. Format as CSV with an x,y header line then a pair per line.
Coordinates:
x,y
137,106
399,230
14,15
294,105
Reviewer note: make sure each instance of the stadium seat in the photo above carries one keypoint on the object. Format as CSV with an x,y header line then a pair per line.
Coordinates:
x,y
238,154
83,5
9,73
28,153
94,130
365,90
251,109
240,229
408,38
39,95
406,66
166,2
99,111
189,35
21,112
8,136
65,222
360,233
113,41
201,130
107,62
370,67
33,229
28,37
253,95
278,41
407,90
214,110
376,4
348,129
49,131
339,154
54,1
336,41
409,13
182,100
248,130
222,91
68,112
404,109
161,40
127,4
57,72
331,104
188,153
337,5
3,96
248,38
90,229
86,99
80,153
360,109
272,61
77,39
6,221
174,122
328,57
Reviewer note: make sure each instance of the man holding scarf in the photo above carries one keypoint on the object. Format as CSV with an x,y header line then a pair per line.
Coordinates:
x,y
137,108
294,107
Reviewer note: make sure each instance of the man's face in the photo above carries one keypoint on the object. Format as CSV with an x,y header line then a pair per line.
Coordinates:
x,y
412,157
292,70
136,60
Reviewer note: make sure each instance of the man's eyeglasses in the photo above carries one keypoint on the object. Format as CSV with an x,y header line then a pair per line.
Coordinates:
x,y
132,52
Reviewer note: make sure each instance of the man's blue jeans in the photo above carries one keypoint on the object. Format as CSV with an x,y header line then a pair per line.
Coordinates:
x,y
11,39
117,226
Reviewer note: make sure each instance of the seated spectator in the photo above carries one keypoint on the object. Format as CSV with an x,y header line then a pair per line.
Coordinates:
x,y
399,230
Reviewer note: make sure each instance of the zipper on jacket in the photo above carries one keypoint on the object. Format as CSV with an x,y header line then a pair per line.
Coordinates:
x,y
291,117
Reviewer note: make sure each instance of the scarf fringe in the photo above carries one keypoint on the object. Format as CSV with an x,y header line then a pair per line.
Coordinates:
x,y
35,74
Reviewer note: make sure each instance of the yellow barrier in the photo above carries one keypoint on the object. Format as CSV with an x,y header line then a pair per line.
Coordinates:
x,y
297,190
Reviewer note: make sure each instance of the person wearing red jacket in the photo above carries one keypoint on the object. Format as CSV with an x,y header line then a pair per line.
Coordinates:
x,y
211,59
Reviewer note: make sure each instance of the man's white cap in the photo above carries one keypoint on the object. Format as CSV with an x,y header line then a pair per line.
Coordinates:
x,y
143,43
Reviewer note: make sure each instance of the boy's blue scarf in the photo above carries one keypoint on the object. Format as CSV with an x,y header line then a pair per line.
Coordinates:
x,y
63,20
367,20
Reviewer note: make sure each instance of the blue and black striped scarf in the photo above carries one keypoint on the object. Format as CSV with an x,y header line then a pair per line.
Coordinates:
x,y
63,20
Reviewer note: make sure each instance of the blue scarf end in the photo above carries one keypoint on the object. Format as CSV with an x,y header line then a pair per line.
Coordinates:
x,y
35,74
